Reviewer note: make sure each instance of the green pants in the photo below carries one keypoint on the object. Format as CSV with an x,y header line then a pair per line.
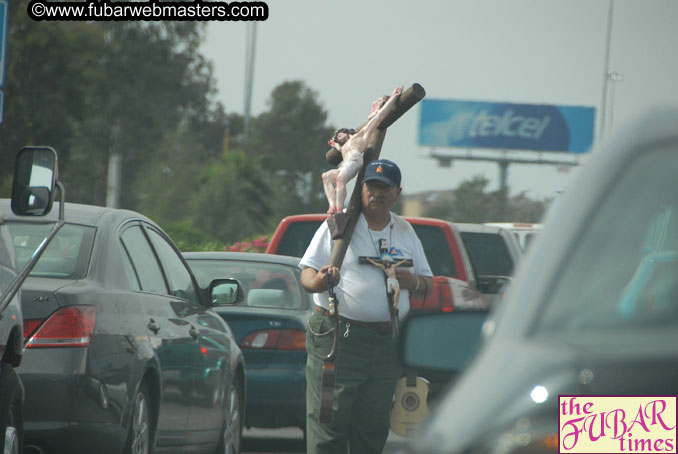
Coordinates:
x,y
367,370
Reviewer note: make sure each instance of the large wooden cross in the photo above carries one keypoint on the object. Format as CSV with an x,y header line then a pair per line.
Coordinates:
x,y
407,99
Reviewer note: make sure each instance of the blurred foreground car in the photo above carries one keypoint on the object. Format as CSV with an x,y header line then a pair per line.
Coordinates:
x,y
593,309
123,351
269,324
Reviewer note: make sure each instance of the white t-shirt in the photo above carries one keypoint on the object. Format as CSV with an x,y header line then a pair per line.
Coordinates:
x,y
362,289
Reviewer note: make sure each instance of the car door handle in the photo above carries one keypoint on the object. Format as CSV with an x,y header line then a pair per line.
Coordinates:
x,y
194,332
153,326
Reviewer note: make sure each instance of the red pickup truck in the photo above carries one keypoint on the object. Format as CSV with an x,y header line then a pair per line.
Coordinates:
x,y
454,282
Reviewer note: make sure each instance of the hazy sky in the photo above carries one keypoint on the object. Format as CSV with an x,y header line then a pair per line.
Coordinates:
x,y
522,51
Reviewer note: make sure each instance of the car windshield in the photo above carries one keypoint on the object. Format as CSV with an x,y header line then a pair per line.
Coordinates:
x,y
621,279
67,255
265,284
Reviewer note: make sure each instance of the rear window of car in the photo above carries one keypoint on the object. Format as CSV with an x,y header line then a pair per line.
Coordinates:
x,y
265,284
437,250
488,253
297,237
67,255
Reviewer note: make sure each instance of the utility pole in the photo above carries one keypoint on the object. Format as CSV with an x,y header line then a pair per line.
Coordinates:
x,y
615,77
113,180
250,53
114,177
606,70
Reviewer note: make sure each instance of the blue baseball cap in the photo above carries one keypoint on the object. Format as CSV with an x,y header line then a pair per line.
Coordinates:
x,y
383,170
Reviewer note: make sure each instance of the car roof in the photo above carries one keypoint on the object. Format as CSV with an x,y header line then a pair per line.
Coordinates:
x,y
478,228
75,213
516,226
244,256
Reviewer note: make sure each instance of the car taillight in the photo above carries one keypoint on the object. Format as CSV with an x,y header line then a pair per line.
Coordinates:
x,y
68,327
30,326
275,339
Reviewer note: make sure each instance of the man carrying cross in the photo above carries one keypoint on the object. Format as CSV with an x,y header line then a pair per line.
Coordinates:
x,y
367,367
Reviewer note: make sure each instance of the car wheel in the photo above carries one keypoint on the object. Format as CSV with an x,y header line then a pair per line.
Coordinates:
x,y
139,435
11,410
231,433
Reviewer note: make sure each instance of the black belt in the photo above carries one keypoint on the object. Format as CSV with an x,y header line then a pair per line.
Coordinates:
x,y
379,327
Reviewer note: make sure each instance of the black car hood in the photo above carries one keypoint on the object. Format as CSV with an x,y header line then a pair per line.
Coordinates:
x,y
503,387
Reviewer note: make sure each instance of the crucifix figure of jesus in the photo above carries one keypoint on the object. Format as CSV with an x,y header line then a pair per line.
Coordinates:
x,y
389,266
389,269
352,145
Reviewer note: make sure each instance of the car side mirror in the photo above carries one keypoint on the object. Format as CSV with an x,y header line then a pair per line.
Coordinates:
x,y
492,285
35,178
224,292
440,341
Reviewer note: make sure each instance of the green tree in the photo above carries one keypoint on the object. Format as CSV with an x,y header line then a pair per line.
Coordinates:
x,y
168,189
291,141
156,81
471,202
49,66
524,209
95,88
212,203
233,200
142,90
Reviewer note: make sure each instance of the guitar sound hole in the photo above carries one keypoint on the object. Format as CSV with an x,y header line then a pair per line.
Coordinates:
x,y
410,401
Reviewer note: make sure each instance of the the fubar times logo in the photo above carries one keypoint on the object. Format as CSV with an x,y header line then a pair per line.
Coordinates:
x,y
617,424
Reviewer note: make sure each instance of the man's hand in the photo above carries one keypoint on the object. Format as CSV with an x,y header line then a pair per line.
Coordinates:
x,y
332,272
315,281
406,278
419,286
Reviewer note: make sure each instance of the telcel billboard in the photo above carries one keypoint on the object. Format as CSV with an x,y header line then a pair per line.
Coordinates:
x,y
539,127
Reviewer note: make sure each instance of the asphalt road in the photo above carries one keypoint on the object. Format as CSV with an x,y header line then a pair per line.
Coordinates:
x,y
291,441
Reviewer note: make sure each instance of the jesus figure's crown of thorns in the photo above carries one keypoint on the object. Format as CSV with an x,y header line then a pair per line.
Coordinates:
x,y
386,257
347,131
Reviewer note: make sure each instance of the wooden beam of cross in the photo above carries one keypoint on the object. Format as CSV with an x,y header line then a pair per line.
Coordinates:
x,y
407,99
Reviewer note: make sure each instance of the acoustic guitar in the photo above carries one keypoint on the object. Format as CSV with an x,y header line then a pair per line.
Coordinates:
x,y
409,404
